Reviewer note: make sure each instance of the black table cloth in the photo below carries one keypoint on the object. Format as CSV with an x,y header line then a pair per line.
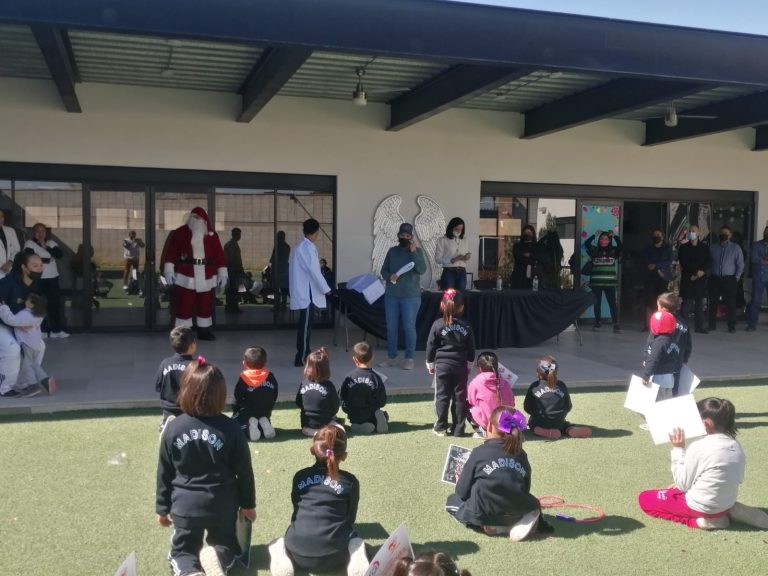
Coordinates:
x,y
500,319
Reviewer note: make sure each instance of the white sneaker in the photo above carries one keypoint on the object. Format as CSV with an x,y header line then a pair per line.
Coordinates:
x,y
279,562
358,561
309,432
253,429
749,515
713,523
390,362
524,526
266,427
61,334
408,364
364,428
211,563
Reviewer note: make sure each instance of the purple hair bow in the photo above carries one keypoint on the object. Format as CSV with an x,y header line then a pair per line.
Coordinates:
x,y
509,420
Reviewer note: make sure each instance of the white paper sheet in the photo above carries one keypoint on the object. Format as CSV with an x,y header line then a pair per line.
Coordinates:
x,y
397,546
640,397
128,567
680,412
688,382
507,374
407,268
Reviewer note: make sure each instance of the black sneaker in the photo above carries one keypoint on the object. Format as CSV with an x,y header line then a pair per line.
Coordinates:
x,y
544,527
11,394
32,391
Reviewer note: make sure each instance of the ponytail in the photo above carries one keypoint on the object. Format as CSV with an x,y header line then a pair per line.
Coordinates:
x,y
451,305
509,424
722,414
329,445
546,369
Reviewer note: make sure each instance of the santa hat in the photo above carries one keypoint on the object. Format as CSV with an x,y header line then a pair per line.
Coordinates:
x,y
203,215
662,322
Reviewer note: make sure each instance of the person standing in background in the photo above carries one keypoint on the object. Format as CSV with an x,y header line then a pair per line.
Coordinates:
x,y
235,270
308,288
525,255
131,252
727,267
658,273
693,256
9,246
452,253
759,260
48,285
281,255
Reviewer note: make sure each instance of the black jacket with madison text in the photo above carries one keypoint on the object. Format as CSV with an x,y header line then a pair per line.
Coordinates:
x,y
362,393
255,393
548,407
318,402
204,469
324,512
494,487
451,344
168,381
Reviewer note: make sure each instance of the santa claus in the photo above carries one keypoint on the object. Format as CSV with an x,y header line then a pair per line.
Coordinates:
x,y
194,264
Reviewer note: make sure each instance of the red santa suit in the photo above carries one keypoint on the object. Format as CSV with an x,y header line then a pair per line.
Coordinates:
x,y
194,263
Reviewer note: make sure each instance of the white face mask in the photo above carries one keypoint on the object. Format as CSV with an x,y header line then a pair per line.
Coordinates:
x,y
197,226
692,235
456,234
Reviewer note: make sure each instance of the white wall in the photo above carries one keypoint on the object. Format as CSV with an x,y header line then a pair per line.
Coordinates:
x,y
445,157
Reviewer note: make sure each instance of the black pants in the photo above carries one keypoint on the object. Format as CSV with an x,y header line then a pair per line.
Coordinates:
x,y
451,397
725,287
232,296
187,541
610,297
303,332
334,562
693,293
49,287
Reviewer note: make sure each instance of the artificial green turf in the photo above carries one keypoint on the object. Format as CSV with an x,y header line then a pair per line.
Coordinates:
x,y
66,511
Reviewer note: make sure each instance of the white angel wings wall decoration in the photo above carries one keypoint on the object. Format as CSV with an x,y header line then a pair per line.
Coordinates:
x,y
429,225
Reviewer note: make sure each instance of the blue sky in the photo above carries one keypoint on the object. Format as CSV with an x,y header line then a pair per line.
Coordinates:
x,y
747,16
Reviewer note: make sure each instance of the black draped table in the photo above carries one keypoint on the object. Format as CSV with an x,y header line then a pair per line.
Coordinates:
x,y
500,319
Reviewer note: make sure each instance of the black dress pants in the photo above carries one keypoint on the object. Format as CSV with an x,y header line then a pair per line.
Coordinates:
x,y
451,397
725,287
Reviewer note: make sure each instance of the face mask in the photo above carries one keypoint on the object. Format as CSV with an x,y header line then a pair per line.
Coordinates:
x,y
34,275
723,237
692,236
527,237
603,242
403,242
656,239
456,234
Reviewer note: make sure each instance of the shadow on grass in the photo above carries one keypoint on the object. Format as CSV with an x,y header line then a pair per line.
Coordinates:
x,y
743,425
597,432
371,531
608,526
457,548
405,427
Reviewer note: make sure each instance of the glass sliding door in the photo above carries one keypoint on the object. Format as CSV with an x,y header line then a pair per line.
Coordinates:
x,y
252,211
59,206
118,239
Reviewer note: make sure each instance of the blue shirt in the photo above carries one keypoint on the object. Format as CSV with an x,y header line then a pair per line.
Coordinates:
x,y
727,259
759,252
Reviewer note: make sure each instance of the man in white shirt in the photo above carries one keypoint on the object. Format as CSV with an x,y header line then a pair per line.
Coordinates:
x,y
9,246
307,286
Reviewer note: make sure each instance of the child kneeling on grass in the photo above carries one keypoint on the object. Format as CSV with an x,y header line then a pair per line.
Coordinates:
x,y
317,397
321,536
494,490
486,392
548,402
204,476
707,476
363,394
255,395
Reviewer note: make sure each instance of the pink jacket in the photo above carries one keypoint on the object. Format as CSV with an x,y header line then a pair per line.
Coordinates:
x,y
483,399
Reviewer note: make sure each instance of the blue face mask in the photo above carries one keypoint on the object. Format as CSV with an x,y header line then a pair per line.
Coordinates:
x,y
692,235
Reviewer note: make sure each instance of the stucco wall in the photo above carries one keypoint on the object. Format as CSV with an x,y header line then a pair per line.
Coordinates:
x,y
445,157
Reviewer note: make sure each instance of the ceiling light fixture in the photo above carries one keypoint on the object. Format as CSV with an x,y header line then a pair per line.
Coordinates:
x,y
359,95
